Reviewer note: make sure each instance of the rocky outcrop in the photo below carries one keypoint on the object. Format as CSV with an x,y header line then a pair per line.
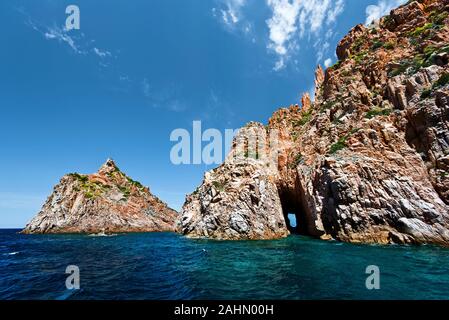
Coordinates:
x,y
238,200
367,161
105,202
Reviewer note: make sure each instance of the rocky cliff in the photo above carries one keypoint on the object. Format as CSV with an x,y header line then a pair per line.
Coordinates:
x,y
366,161
238,200
105,202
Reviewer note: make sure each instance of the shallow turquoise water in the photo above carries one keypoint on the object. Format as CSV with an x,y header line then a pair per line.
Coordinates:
x,y
168,266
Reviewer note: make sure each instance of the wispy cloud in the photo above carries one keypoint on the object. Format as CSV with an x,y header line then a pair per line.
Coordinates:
x,y
231,11
219,110
290,21
176,105
124,78
60,35
335,11
383,7
165,98
315,13
76,42
322,45
294,19
282,26
230,14
102,53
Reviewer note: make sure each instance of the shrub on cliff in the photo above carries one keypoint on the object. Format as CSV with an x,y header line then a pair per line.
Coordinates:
x,y
339,145
377,112
442,81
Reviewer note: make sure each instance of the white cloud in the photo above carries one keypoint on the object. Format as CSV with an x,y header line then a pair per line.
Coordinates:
x,y
161,98
322,45
383,7
229,16
282,24
314,13
102,53
124,78
176,106
328,62
312,91
231,13
77,42
335,11
59,34
301,18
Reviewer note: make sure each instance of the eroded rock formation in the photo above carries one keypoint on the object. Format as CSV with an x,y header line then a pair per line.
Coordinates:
x,y
238,200
105,202
366,161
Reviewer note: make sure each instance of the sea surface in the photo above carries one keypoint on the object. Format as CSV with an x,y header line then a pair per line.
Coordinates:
x,y
169,266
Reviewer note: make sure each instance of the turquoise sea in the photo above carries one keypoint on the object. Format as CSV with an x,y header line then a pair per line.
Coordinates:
x,y
169,266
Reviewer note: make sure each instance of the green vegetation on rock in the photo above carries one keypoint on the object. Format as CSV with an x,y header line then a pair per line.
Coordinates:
x,y
297,160
358,58
305,118
438,18
126,191
327,105
80,177
420,30
426,94
219,186
389,45
137,184
339,145
377,44
377,112
252,155
442,81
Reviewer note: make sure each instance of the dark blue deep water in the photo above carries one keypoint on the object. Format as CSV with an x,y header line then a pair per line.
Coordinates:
x,y
168,266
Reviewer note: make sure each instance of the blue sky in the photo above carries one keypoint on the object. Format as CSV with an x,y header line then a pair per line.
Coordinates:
x,y
136,70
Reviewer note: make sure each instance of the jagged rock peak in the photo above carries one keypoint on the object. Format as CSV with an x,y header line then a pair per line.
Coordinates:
x,y
108,166
306,102
319,78
106,201
345,45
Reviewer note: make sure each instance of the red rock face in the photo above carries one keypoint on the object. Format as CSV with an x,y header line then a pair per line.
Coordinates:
x,y
368,160
374,152
239,200
105,202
